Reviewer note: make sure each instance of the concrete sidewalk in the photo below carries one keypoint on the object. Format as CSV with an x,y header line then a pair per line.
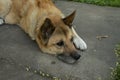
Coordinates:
x,y
91,21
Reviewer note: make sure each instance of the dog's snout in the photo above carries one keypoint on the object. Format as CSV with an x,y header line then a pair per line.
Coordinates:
x,y
76,56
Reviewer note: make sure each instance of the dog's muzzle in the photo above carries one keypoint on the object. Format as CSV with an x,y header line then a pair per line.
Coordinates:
x,y
75,56
70,59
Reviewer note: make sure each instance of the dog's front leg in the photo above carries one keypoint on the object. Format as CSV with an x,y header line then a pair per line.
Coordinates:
x,y
2,21
78,41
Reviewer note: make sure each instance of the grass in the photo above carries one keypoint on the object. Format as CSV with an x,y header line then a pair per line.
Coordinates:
x,y
114,3
116,70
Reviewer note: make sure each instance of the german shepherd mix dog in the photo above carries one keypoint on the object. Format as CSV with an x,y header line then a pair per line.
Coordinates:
x,y
45,24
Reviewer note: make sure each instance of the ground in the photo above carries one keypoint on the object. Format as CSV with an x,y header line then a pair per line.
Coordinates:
x,y
92,22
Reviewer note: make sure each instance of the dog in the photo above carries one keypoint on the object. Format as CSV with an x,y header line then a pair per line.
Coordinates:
x,y
46,24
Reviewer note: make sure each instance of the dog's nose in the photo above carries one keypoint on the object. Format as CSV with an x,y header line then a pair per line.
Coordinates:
x,y
76,56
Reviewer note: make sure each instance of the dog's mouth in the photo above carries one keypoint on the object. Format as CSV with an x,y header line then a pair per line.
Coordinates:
x,y
70,59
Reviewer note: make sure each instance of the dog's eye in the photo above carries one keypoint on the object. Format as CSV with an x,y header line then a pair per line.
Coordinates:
x,y
61,43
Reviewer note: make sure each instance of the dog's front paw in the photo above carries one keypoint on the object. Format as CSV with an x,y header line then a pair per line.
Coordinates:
x,y
2,21
79,43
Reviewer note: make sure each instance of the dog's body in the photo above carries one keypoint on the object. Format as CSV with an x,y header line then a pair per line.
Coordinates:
x,y
44,23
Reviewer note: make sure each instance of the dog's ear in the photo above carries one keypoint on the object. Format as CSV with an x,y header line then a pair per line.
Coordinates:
x,y
69,19
47,29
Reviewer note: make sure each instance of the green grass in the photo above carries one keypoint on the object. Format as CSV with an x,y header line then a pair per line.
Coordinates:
x,y
116,70
114,3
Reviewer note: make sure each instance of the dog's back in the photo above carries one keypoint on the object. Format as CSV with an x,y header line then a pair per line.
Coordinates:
x,y
12,10
5,6
27,13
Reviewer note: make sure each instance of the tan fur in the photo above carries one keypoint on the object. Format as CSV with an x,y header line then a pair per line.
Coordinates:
x,y
30,16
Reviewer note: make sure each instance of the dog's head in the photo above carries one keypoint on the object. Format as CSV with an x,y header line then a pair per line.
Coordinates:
x,y
55,36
